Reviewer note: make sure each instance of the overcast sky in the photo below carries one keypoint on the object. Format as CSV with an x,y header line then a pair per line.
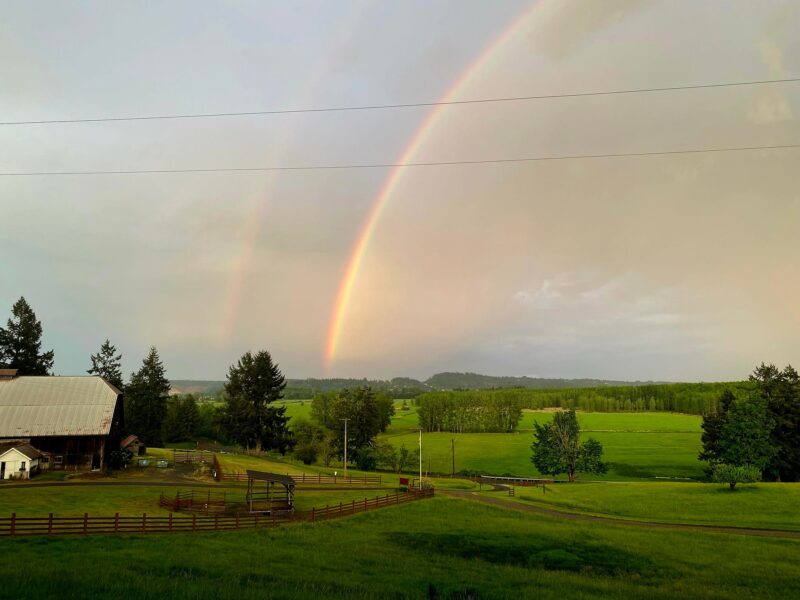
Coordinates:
x,y
680,267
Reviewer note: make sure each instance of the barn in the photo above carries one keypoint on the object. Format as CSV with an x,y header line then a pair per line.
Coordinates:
x,y
72,421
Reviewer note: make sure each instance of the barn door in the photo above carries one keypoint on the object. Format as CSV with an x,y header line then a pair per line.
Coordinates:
x,y
95,461
2,470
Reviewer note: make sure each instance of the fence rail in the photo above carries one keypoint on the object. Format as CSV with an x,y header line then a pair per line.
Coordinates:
x,y
15,526
300,479
192,456
350,508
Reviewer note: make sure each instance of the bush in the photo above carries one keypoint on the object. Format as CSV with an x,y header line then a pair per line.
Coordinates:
x,y
733,474
119,459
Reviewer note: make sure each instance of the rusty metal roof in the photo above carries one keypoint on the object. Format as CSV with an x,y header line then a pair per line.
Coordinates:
x,y
44,406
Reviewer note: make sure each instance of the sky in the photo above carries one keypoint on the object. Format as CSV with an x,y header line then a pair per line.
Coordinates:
x,y
675,267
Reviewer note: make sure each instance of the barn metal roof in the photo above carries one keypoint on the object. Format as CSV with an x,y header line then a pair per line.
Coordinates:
x,y
44,406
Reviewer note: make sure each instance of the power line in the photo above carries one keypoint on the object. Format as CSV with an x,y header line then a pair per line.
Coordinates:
x,y
406,105
404,165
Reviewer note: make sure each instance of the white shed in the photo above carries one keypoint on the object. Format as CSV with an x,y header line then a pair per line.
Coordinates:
x,y
19,462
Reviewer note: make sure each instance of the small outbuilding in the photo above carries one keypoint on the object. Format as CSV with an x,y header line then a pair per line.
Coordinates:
x,y
19,461
269,493
134,444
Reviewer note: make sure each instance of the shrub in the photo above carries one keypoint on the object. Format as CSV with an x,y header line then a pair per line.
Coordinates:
x,y
733,474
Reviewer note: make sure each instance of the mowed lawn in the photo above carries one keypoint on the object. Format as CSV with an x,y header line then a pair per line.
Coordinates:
x,y
767,505
443,548
636,445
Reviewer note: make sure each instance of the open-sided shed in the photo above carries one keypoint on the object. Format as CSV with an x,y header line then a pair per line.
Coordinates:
x,y
269,493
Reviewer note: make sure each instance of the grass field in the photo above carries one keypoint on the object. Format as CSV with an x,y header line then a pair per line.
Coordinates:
x,y
767,505
636,445
441,548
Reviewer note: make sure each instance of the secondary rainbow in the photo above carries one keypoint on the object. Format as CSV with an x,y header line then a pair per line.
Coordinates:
x,y
359,250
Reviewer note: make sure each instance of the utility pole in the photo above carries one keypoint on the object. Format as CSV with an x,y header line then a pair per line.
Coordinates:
x,y
420,459
453,449
345,447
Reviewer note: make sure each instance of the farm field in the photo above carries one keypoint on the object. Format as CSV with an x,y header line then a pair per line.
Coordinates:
x,y
765,505
636,445
443,547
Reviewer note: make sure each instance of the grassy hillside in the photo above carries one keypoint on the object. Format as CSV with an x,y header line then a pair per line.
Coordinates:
x,y
440,548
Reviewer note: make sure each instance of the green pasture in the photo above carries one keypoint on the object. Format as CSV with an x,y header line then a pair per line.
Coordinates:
x,y
443,548
104,500
765,505
636,445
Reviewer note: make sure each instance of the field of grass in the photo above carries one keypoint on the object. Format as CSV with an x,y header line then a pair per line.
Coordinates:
x,y
105,500
442,548
636,445
766,505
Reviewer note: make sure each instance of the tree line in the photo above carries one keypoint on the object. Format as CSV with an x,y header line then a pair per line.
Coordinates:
x,y
690,398
469,412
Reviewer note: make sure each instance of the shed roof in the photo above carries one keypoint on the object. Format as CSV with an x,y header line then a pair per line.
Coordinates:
x,y
128,440
46,406
24,449
263,476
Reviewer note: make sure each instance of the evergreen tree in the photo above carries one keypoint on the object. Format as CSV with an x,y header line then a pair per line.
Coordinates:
x,y
247,418
182,419
21,342
712,427
108,365
146,400
781,391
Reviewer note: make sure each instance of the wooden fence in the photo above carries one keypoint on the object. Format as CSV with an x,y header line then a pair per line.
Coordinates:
x,y
303,478
192,456
344,509
15,526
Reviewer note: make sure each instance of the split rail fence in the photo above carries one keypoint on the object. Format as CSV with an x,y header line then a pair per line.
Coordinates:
x,y
15,526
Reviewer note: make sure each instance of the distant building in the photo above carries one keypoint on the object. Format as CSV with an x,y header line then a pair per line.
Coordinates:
x,y
19,461
134,444
72,421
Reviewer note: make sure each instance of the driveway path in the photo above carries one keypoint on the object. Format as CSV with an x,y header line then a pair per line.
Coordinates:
x,y
557,514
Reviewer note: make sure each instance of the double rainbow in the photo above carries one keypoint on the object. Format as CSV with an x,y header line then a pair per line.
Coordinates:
x,y
356,259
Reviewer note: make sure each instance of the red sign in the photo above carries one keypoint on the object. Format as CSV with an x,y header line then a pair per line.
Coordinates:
x,y
404,481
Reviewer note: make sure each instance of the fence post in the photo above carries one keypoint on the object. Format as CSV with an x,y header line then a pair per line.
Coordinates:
x,y
365,505
144,522
85,523
194,522
313,514
116,522
353,508
50,524
237,520
170,522
216,522
340,508
255,521
13,531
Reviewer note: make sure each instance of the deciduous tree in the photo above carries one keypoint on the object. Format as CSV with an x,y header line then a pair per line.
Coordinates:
x,y
557,448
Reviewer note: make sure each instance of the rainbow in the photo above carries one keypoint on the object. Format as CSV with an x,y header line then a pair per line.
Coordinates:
x,y
422,134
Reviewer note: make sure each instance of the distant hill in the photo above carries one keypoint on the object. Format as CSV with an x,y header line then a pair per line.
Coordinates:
x,y
475,381
406,387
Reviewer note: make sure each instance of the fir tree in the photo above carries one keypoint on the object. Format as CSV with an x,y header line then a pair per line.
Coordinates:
x,y
247,418
146,400
108,365
21,342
